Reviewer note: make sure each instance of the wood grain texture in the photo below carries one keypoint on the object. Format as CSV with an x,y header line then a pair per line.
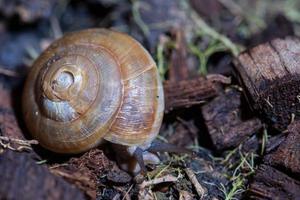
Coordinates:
x,y
278,177
270,74
224,123
186,93
270,183
178,67
287,155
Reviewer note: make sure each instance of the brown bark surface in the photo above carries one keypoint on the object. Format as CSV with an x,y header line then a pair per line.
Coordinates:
x,y
279,175
178,68
270,74
224,123
187,93
8,120
22,178
270,183
287,155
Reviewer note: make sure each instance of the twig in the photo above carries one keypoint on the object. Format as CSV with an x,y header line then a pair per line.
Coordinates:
x,y
201,191
58,165
219,78
8,72
126,196
117,196
18,141
24,144
167,178
57,31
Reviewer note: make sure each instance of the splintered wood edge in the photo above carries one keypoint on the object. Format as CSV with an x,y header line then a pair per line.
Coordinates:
x,y
187,93
259,66
270,74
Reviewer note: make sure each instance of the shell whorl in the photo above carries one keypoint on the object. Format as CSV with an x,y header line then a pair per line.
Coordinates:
x,y
90,85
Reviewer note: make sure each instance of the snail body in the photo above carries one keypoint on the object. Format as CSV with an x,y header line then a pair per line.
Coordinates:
x,y
90,86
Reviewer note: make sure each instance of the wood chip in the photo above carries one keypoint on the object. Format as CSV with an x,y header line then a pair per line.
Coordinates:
x,y
270,182
269,73
223,119
187,93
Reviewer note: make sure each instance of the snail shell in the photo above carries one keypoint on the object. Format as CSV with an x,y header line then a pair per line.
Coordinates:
x,y
91,85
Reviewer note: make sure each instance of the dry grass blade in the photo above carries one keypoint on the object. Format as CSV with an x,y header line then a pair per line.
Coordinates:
x,y
201,191
6,143
167,178
126,195
8,72
18,141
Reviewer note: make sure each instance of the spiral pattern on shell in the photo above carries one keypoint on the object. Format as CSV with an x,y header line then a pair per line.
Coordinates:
x,y
90,85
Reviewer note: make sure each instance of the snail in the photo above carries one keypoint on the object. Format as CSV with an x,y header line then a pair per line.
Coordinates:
x,y
95,85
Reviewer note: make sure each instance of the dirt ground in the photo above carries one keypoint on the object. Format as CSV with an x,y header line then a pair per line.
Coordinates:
x,y
194,43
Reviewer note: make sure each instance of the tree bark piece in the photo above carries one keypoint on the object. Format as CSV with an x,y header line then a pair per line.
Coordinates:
x,y
184,134
270,74
11,134
279,175
8,121
31,181
269,183
287,155
178,68
224,123
187,93
22,178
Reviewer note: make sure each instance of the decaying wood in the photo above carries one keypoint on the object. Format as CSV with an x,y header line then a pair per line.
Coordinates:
x,y
187,93
38,178
117,176
287,155
270,183
274,142
270,74
9,126
224,123
184,134
178,68
279,175
22,178
84,171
